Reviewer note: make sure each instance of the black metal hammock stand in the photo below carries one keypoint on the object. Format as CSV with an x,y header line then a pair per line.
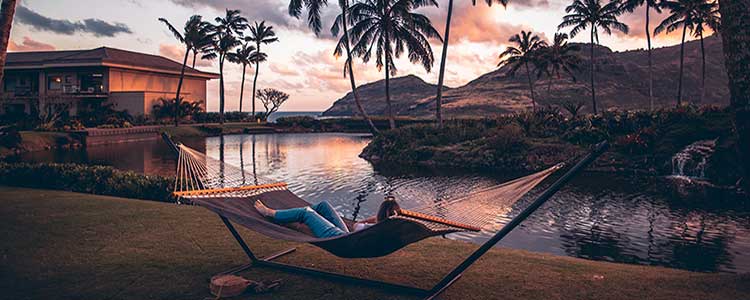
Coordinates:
x,y
227,191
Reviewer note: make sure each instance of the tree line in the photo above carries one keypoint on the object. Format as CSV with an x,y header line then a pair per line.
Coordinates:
x,y
224,40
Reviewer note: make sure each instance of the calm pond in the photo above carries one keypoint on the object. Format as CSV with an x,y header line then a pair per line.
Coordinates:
x,y
598,216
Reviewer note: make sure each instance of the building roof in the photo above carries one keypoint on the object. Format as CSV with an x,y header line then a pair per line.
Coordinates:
x,y
103,56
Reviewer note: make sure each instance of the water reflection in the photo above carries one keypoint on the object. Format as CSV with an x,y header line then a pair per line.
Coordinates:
x,y
597,216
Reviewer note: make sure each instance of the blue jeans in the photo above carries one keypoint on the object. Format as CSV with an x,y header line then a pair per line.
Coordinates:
x,y
322,219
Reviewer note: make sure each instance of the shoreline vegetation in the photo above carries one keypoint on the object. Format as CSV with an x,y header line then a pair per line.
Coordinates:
x,y
121,255
643,142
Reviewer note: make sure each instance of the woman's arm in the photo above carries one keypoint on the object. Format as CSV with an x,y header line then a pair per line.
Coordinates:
x,y
370,220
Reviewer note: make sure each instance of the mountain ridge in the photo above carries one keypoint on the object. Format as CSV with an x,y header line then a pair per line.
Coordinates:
x,y
621,82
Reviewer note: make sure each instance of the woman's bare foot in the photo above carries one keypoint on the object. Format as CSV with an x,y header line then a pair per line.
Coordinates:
x,y
263,209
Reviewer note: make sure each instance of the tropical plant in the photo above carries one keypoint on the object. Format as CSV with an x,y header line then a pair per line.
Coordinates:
x,y
164,108
527,51
260,34
444,57
244,55
572,107
392,28
345,42
195,35
7,10
222,43
593,14
735,28
707,16
272,99
630,6
560,56
686,14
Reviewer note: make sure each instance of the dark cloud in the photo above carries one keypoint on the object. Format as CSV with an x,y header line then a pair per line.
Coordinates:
x,y
96,27
272,11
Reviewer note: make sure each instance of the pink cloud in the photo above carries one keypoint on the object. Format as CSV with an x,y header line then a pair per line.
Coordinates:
x,y
29,44
177,53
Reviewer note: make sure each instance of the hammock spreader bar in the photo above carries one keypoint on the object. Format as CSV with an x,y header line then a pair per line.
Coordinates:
x,y
421,216
450,278
229,189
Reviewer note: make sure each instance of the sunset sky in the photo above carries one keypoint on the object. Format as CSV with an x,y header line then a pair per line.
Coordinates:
x,y
301,64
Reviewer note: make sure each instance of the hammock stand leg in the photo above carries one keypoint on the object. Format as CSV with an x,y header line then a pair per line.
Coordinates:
x,y
454,275
269,263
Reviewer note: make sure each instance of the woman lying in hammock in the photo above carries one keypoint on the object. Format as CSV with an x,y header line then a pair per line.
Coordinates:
x,y
322,218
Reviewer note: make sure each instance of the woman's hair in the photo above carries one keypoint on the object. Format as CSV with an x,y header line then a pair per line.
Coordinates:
x,y
388,208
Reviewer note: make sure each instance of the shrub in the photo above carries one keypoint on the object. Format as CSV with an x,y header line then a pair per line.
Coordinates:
x,y
100,180
9,136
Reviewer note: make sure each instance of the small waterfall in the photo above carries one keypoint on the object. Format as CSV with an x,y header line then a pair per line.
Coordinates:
x,y
691,162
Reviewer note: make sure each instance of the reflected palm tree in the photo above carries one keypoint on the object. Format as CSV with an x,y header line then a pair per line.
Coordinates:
x,y
255,171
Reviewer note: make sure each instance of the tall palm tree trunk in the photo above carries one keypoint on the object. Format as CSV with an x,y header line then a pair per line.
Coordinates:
x,y
682,65
531,86
179,88
593,88
444,56
391,119
242,85
349,59
8,8
650,59
703,69
195,54
221,90
255,81
735,27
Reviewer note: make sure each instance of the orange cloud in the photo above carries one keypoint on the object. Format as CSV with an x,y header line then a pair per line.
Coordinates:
x,y
29,44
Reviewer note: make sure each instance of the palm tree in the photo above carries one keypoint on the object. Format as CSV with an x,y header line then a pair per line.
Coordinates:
x,y
244,55
583,14
295,9
735,28
707,16
560,56
444,57
685,14
527,50
260,34
194,36
630,6
223,42
392,28
8,8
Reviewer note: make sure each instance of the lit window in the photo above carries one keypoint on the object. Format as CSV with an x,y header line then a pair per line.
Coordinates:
x,y
55,82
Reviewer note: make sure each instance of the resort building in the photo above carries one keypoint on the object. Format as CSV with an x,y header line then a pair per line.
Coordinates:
x,y
81,79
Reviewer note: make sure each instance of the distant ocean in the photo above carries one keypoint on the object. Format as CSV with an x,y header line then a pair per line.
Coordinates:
x,y
280,114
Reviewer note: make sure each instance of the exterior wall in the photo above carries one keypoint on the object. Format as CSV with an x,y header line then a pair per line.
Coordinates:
x,y
131,90
133,102
121,80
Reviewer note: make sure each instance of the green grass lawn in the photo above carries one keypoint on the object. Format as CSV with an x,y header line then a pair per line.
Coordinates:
x,y
61,245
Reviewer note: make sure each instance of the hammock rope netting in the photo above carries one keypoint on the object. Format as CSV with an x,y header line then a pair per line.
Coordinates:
x,y
231,192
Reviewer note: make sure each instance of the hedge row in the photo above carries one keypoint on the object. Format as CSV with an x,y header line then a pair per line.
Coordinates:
x,y
100,180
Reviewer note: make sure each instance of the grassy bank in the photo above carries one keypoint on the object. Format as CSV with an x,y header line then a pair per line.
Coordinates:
x,y
61,245
642,142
